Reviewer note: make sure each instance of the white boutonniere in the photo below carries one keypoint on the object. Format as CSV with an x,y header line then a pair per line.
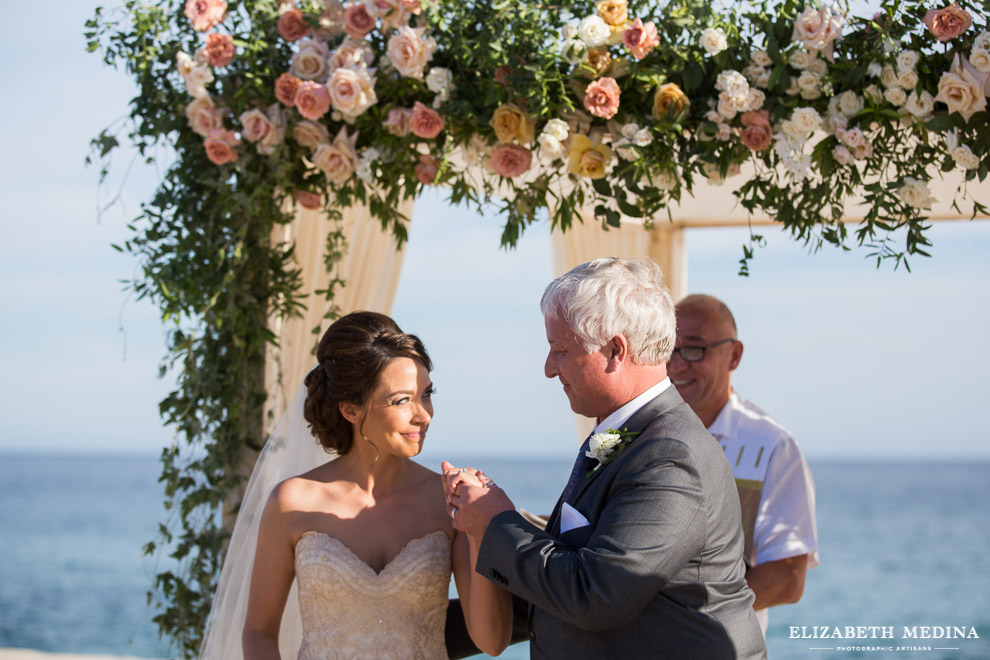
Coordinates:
x,y
605,446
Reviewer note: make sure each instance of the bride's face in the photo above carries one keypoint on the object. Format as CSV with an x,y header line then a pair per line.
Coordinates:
x,y
400,408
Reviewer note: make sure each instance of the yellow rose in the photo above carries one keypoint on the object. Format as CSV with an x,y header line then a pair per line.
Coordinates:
x,y
613,12
669,96
511,123
588,160
600,60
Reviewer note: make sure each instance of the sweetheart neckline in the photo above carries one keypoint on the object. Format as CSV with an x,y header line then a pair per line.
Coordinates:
x,y
343,545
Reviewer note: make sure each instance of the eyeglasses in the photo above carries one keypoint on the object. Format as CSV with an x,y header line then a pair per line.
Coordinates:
x,y
696,353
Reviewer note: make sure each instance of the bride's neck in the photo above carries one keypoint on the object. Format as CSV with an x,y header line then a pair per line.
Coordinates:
x,y
373,472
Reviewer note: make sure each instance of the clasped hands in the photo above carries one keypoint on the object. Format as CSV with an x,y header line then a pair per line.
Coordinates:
x,y
472,499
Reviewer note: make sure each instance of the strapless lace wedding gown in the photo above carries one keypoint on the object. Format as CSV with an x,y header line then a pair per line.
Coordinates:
x,y
350,612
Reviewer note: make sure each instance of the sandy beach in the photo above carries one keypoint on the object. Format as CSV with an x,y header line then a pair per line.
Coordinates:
x,y
30,654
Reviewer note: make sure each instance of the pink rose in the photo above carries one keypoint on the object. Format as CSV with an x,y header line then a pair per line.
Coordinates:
x,y
601,98
357,21
204,14
286,86
757,134
641,38
409,51
425,122
255,125
292,26
312,100
818,30
220,146
397,122
948,23
308,200
352,91
511,160
203,116
426,170
219,49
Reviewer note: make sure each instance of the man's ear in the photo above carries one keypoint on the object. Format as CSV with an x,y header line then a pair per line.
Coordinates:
x,y
616,352
350,412
737,351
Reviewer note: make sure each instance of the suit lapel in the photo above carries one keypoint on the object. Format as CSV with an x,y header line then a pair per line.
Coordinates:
x,y
639,421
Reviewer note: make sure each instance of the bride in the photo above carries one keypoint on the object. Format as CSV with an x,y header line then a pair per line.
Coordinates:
x,y
366,536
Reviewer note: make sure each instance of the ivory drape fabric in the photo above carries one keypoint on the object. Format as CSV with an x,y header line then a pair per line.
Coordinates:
x,y
370,269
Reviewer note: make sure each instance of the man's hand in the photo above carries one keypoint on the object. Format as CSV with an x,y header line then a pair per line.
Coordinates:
x,y
779,582
472,499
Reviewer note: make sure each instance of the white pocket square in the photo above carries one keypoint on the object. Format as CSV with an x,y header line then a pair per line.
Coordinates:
x,y
571,518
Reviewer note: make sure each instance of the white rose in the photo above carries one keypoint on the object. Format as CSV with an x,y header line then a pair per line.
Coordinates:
x,y
550,147
594,31
732,82
907,79
665,180
873,93
557,129
712,115
817,29
753,73
980,59
895,96
921,106
439,79
982,41
714,41
842,155
874,70
807,120
888,77
808,80
915,193
726,107
569,32
629,130
965,158
197,79
724,132
715,177
573,50
818,66
852,138
755,99
761,58
643,138
184,64
810,94
310,63
763,81
790,129
864,151
850,103
907,60
799,59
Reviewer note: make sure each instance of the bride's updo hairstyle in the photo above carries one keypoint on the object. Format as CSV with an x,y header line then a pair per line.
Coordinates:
x,y
352,354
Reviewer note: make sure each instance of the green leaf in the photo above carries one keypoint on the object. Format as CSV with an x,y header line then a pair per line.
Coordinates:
x,y
940,123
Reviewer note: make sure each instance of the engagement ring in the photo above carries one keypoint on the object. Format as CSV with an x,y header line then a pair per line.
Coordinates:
x,y
453,510
489,483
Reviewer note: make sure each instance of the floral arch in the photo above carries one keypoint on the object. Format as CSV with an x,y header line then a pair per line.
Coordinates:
x,y
300,132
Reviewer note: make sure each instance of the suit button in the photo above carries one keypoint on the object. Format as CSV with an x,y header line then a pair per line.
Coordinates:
x,y
495,574
532,636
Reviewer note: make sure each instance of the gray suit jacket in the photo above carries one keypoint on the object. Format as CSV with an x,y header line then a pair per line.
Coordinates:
x,y
658,572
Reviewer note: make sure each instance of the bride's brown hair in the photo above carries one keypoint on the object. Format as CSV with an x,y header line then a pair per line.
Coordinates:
x,y
351,355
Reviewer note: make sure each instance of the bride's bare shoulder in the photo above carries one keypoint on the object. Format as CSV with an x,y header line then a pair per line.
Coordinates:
x,y
302,488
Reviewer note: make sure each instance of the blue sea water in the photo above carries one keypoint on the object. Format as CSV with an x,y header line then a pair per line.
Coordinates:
x,y
903,545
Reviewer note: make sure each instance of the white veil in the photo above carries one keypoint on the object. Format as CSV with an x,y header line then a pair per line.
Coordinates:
x,y
291,449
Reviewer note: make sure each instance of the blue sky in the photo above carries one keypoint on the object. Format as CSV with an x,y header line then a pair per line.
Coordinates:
x,y
857,362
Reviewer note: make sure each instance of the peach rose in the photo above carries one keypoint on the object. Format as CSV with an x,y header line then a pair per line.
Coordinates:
x,y
337,160
219,49
948,23
204,14
310,62
310,134
411,6
308,200
600,60
757,134
220,146
409,51
357,21
203,116
286,86
292,26
669,96
255,125
613,12
276,130
426,169
511,160
588,160
352,54
601,98
352,91
397,122
640,38
425,122
962,88
511,123
312,100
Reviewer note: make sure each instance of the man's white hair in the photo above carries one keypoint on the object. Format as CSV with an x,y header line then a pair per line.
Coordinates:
x,y
607,297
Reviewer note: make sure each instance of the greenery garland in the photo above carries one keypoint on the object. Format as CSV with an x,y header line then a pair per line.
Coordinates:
x,y
612,105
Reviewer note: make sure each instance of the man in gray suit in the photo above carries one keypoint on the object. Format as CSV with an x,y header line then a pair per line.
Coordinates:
x,y
642,556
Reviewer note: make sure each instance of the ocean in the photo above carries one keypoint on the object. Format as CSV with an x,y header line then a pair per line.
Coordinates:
x,y
904,556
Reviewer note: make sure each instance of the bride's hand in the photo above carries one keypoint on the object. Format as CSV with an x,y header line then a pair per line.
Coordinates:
x,y
454,477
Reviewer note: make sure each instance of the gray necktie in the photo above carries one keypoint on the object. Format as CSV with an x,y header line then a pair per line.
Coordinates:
x,y
581,466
